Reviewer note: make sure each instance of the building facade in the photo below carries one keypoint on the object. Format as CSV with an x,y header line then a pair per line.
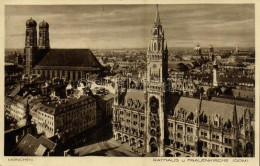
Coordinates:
x,y
158,122
69,117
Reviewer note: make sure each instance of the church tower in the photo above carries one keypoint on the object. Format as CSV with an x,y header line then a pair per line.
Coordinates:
x,y
211,53
215,73
44,42
30,45
157,74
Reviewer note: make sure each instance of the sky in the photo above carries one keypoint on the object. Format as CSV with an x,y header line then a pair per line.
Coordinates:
x,y
129,26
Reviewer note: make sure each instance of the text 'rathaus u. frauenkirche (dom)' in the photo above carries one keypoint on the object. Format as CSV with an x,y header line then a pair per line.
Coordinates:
x,y
157,121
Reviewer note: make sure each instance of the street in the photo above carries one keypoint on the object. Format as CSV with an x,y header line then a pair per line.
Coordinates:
x,y
101,143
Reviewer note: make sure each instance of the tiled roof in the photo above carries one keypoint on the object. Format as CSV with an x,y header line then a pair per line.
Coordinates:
x,y
136,95
31,146
40,150
210,108
69,57
47,143
28,146
16,90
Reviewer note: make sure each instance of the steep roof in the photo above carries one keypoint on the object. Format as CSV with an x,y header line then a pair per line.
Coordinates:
x,y
69,58
47,143
210,108
28,146
135,95
31,146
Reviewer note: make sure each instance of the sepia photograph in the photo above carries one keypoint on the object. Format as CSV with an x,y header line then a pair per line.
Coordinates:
x,y
130,80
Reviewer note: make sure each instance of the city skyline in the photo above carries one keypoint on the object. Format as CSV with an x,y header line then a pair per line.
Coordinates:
x,y
136,103
121,26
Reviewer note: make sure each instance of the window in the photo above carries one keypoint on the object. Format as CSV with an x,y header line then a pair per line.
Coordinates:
x,y
190,130
154,46
180,127
228,150
203,133
217,147
228,141
213,146
205,144
179,135
171,141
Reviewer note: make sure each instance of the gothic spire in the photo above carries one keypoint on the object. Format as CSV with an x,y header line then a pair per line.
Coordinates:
x,y
157,17
234,120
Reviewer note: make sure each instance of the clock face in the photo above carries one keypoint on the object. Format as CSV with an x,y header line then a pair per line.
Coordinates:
x,y
154,65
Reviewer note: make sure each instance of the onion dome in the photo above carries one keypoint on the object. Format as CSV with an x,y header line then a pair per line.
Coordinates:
x,y
31,23
43,24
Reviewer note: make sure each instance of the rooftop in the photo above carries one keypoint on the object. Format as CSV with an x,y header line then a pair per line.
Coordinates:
x,y
69,57
31,146
53,107
210,108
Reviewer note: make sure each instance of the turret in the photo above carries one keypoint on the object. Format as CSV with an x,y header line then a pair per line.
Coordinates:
x,y
235,131
211,53
118,90
31,33
44,42
215,73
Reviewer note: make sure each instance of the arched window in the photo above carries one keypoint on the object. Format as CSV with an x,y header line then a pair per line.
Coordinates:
x,y
154,104
154,46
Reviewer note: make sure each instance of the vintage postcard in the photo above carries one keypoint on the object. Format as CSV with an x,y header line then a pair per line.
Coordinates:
x,y
147,83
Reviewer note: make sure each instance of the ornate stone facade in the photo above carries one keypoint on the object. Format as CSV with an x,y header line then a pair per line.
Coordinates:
x,y
162,123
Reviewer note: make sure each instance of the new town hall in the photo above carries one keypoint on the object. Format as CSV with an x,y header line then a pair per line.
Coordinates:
x,y
161,123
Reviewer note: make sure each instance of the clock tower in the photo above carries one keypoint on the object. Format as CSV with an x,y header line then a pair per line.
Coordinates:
x,y
157,86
